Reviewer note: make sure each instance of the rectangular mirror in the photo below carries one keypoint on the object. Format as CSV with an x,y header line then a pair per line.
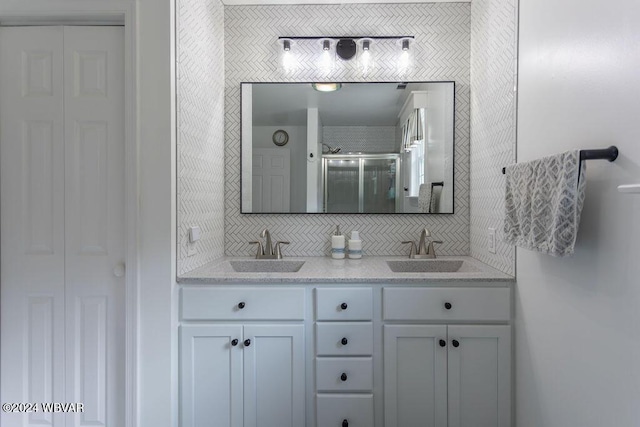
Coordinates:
x,y
347,147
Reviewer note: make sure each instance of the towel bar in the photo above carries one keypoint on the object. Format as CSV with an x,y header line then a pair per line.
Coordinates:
x,y
610,153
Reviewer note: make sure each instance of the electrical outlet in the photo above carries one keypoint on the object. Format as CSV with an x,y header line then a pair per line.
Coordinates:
x,y
491,240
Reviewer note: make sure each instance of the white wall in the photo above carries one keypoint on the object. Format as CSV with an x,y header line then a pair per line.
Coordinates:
x,y
156,129
200,122
494,32
578,319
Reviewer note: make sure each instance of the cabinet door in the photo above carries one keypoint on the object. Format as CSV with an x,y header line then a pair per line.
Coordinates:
x,y
415,376
211,376
274,392
479,376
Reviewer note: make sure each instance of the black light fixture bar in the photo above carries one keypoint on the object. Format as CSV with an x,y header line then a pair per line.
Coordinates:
x,y
347,37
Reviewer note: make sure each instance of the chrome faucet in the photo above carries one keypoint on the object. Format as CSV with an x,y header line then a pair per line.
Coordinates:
x,y
425,248
268,250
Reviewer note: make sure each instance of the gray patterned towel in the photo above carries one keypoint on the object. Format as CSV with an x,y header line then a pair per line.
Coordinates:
x,y
543,202
424,197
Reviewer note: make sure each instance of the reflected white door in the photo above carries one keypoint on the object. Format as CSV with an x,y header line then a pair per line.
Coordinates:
x,y
271,180
62,142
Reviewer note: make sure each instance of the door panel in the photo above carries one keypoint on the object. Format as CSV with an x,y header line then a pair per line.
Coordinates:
x,y
94,215
479,376
62,190
274,393
32,221
415,380
271,180
211,376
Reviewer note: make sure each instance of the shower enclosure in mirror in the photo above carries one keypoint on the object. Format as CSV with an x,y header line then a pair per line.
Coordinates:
x,y
362,148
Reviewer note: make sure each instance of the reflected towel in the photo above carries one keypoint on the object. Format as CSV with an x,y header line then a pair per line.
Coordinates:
x,y
436,192
543,202
424,198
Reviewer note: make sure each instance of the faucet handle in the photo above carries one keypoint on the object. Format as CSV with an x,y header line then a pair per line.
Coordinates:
x,y
260,248
412,251
279,250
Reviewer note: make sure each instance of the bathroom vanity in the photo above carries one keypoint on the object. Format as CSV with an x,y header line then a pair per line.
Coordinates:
x,y
345,343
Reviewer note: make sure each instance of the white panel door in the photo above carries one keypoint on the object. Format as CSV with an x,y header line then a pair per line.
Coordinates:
x,y
211,376
415,376
32,216
479,376
271,179
274,372
94,216
62,139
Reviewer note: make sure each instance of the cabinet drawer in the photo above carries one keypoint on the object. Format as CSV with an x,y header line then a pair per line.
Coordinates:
x,y
344,303
344,374
334,409
464,304
358,336
243,304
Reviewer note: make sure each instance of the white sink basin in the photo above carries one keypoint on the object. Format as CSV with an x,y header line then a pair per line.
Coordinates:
x,y
430,266
266,266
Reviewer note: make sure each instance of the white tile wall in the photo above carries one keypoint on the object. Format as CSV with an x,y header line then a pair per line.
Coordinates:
x,y
441,52
354,139
493,123
200,103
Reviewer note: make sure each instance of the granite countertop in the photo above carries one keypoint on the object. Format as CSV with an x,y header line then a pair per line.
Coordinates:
x,y
328,270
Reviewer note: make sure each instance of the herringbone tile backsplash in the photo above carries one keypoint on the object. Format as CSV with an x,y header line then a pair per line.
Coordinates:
x,y
441,52
200,121
493,123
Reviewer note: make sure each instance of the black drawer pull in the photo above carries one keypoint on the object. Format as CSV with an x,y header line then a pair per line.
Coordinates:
x,y
343,377
455,343
241,305
345,423
344,341
247,342
344,306
447,305
442,343
234,342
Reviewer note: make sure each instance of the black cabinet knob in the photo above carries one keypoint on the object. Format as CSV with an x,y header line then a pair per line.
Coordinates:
x,y
442,343
345,423
241,305
447,305
455,343
344,341
343,306
234,342
247,342
343,377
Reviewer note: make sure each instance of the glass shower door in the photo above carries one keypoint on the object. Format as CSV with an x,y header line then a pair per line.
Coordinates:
x,y
341,184
378,185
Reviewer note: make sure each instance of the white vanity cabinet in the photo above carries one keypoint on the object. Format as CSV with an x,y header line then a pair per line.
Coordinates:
x,y
242,360
447,374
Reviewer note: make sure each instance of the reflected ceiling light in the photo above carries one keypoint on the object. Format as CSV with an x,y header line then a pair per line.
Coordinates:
x,y
326,87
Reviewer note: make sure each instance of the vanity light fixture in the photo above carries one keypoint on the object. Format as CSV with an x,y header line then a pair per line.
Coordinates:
x,y
325,63
404,60
366,57
289,62
347,47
